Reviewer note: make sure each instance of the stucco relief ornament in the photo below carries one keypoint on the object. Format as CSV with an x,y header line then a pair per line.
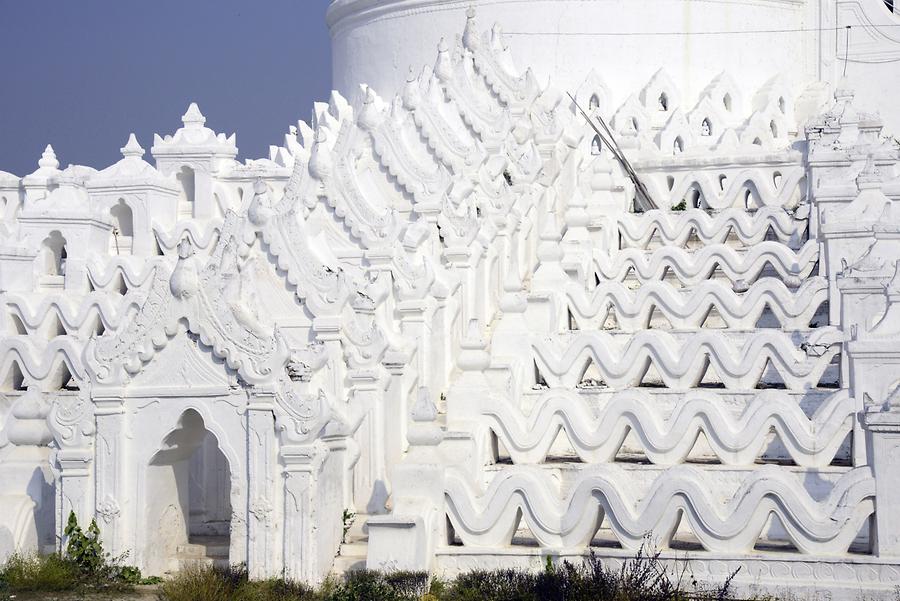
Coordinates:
x,y
71,419
301,414
262,509
866,263
304,362
109,509
260,209
185,279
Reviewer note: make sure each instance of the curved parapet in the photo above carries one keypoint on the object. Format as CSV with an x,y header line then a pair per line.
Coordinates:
x,y
691,268
570,520
735,439
677,228
682,361
689,308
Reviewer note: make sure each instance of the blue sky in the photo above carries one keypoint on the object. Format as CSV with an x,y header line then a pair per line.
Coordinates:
x,y
82,74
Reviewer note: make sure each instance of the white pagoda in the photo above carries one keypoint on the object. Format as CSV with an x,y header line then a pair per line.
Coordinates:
x,y
452,308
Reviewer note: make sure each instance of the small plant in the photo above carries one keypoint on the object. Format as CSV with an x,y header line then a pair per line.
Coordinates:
x,y
347,518
85,550
681,206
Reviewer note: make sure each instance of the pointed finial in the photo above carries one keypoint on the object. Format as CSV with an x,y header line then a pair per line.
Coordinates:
x,y
443,65
259,186
370,114
870,176
185,248
470,35
48,159
132,148
497,38
193,118
424,409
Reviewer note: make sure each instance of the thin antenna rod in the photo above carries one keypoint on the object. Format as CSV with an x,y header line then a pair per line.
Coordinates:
x,y
642,195
847,51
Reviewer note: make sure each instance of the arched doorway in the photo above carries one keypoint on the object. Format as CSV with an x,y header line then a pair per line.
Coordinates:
x,y
188,500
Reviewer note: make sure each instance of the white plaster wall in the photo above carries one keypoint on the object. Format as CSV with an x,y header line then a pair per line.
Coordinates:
x,y
376,41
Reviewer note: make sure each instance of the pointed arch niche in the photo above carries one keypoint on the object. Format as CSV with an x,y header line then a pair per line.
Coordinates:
x,y
188,485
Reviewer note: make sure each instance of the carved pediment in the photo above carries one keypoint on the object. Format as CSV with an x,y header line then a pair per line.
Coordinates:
x,y
182,365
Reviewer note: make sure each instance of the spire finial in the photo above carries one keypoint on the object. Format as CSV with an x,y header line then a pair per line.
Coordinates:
x,y
132,148
185,248
470,35
48,159
870,176
193,118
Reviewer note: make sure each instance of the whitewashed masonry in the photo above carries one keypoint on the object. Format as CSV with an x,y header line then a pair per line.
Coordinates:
x,y
444,312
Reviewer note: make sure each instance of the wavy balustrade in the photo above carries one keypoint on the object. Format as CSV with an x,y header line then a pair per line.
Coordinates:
x,y
677,228
39,362
201,235
490,518
773,186
133,275
738,360
72,311
736,439
693,267
689,307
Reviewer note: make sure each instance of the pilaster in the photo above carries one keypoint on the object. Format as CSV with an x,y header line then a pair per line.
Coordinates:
x,y
263,554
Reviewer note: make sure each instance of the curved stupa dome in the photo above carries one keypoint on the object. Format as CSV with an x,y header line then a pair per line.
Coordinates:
x,y
625,41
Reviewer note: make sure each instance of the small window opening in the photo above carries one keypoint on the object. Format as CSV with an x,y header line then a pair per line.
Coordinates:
x,y
726,100
774,128
53,254
781,105
722,180
678,146
663,102
594,103
706,128
596,145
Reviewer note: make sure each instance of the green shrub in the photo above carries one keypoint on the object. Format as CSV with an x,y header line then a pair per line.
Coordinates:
x,y
47,573
84,566
85,550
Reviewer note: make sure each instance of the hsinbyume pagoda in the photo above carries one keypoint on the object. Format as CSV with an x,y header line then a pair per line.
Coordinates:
x,y
449,324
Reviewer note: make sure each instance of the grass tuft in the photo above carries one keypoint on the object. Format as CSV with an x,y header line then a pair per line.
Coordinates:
x,y
38,573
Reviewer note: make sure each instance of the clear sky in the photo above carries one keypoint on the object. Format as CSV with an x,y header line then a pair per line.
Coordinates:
x,y
82,74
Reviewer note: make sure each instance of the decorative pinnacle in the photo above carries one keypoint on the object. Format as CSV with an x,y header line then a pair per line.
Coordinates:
x,y
185,249
870,174
132,148
193,118
470,35
424,410
48,159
